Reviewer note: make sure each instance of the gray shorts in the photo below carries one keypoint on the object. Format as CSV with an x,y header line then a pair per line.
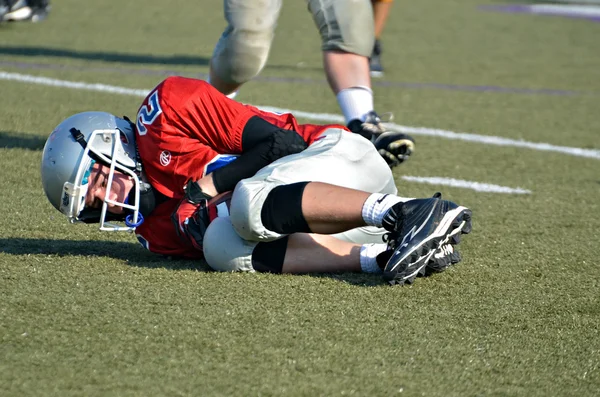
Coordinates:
x,y
243,49
344,25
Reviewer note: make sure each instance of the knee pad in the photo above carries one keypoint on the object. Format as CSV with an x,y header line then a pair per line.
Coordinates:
x,y
240,56
261,211
269,257
225,250
344,25
282,210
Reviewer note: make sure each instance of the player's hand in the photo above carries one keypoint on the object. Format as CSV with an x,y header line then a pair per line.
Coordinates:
x,y
190,218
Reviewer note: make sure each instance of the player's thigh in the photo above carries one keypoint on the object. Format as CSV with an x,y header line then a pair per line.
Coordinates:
x,y
242,50
339,158
344,25
225,250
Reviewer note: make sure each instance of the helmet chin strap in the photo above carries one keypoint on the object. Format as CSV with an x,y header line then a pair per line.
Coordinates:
x,y
92,215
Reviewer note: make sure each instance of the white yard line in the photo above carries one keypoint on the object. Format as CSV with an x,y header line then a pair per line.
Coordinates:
x,y
579,1
327,117
25,78
477,186
461,136
334,118
569,10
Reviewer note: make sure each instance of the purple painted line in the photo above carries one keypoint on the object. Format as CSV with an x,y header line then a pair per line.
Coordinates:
x,y
392,84
496,89
527,9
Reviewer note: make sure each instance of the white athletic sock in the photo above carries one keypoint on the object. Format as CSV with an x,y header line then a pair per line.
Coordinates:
x,y
377,205
355,102
368,255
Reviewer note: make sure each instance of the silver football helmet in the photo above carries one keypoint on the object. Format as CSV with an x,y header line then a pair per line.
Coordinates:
x,y
69,154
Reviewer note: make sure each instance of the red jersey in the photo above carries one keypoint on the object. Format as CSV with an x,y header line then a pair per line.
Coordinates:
x,y
185,129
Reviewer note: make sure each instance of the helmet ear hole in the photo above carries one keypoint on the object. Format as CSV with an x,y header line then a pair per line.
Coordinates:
x,y
123,137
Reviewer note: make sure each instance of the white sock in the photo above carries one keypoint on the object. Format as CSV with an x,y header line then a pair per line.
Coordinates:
x,y
377,205
355,102
368,255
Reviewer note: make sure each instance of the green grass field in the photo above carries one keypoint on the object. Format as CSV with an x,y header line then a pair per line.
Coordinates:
x,y
84,313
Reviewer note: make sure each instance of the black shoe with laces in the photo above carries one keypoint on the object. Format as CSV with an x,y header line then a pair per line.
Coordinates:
x,y
395,147
420,234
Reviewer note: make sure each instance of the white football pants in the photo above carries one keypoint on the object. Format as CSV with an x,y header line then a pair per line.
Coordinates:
x,y
338,157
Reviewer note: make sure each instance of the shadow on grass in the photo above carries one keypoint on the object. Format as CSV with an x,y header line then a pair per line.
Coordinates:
x,y
105,56
11,140
134,255
358,279
120,57
131,253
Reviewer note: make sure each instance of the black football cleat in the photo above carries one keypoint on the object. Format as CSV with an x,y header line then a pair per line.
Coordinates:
x,y
421,232
395,147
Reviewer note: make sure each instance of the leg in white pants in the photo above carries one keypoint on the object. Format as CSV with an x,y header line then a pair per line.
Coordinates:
x,y
339,158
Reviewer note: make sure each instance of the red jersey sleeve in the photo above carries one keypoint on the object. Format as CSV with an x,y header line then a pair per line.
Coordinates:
x,y
182,126
310,132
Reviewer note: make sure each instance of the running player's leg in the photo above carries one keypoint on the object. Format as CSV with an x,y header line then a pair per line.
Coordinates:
x,y
243,49
348,36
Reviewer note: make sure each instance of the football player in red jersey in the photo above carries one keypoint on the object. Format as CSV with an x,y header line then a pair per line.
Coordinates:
x,y
306,198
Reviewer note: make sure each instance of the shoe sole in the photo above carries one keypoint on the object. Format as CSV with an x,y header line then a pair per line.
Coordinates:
x,y
442,259
453,224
